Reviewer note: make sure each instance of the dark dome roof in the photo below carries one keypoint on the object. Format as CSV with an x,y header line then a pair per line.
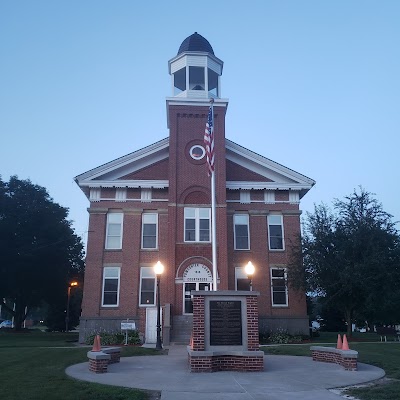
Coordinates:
x,y
195,42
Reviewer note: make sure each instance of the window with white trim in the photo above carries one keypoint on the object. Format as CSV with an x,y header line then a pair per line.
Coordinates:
x,y
145,195
111,283
197,224
147,286
275,232
279,292
241,232
120,194
245,197
114,231
149,231
242,282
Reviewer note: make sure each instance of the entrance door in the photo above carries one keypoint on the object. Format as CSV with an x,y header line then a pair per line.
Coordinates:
x,y
151,324
188,287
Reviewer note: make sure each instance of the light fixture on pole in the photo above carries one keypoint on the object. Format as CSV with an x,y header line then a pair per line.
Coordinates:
x,y
71,285
158,270
249,269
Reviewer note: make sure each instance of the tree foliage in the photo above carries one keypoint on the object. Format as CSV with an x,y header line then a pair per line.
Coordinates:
x,y
39,250
350,258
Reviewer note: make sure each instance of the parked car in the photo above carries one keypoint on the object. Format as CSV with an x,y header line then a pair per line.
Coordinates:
x,y
6,324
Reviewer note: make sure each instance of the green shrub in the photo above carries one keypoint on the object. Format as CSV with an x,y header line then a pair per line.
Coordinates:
x,y
114,338
279,336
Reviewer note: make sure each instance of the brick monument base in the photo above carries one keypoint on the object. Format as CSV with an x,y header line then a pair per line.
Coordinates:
x,y
225,332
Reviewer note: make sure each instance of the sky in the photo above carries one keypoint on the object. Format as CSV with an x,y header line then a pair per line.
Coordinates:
x,y
312,85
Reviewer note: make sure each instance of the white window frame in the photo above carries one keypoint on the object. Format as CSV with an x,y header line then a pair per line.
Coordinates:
x,y
235,218
272,286
120,194
145,216
240,274
269,197
245,197
95,194
114,216
197,224
105,270
269,233
146,195
147,273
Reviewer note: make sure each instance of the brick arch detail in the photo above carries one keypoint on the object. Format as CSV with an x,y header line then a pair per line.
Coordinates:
x,y
195,195
191,260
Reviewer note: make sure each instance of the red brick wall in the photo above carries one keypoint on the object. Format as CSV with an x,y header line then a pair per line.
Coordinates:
x,y
189,184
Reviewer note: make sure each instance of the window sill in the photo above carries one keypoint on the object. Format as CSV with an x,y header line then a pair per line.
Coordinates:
x,y
197,243
156,249
113,250
146,305
280,306
277,250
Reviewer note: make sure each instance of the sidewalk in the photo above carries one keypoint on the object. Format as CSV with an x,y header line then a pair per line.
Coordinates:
x,y
285,377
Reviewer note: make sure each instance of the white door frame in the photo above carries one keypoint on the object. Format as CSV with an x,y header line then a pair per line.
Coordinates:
x,y
151,324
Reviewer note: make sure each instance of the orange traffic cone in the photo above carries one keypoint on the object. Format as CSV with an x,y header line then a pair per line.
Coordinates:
x,y
345,344
96,344
339,344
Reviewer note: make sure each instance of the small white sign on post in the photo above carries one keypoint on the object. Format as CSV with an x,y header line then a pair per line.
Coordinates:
x,y
127,326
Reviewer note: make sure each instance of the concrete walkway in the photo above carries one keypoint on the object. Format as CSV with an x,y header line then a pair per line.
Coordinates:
x,y
284,378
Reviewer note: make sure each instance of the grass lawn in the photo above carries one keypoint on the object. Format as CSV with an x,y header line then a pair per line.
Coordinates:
x,y
33,365
383,355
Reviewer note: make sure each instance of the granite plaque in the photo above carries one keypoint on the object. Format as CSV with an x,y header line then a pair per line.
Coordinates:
x,y
225,323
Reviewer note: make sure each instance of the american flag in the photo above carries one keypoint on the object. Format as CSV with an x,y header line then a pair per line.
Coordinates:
x,y
209,139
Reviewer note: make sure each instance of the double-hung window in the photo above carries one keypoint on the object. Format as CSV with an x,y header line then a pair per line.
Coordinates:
x,y
279,293
275,232
149,231
241,232
197,224
147,286
114,231
111,280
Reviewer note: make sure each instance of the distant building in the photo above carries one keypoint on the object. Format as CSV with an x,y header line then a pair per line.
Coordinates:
x,y
154,204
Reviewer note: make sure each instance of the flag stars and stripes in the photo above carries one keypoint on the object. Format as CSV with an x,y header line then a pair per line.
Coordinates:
x,y
209,139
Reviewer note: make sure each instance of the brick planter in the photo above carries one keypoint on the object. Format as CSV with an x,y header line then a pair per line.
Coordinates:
x,y
346,358
99,360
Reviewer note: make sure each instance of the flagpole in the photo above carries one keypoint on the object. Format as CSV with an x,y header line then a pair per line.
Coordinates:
x,y
213,210
214,231
209,145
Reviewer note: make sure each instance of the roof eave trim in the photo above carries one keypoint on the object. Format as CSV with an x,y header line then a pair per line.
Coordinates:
x,y
122,161
266,162
156,184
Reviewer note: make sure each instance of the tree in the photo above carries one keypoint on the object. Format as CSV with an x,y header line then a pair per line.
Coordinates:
x,y
39,250
350,257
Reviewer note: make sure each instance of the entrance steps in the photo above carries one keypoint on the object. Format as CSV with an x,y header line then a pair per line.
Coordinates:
x,y
181,331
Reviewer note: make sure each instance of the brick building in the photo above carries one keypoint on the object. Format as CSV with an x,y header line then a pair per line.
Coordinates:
x,y
154,204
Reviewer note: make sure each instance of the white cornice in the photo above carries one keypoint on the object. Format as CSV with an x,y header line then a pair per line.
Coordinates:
x,y
247,185
156,184
184,101
194,53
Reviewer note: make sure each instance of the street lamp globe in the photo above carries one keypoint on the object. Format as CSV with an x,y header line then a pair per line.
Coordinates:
x,y
158,268
249,269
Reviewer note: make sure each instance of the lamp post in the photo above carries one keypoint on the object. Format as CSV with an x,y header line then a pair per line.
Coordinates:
x,y
249,269
158,269
71,285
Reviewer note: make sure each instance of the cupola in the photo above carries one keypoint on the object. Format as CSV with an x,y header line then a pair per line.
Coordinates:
x,y
195,70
